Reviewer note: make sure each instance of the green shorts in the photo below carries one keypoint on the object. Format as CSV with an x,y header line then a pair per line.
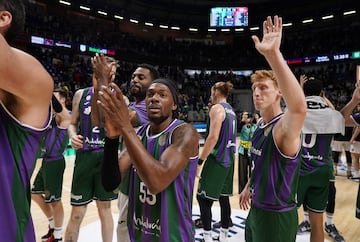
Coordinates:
x,y
313,189
49,180
280,226
215,180
86,183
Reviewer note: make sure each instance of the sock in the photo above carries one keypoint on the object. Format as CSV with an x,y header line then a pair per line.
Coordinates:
x,y
223,234
51,222
58,232
356,173
306,216
207,236
329,219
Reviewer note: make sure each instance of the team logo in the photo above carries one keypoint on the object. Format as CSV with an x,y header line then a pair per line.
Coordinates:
x,y
162,139
267,130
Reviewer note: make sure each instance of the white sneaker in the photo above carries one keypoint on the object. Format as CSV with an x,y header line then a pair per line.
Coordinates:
x,y
356,175
207,237
223,235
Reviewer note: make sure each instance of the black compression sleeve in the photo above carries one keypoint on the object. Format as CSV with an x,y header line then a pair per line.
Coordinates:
x,y
110,172
56,104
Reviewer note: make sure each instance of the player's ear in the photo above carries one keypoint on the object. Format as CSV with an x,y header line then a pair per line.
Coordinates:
x,y
5,20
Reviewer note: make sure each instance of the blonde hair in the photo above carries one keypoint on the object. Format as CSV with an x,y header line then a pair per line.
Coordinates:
x,y
224,87
262,75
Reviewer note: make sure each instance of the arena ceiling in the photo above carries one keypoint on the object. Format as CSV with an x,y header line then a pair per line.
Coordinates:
x,y
196,12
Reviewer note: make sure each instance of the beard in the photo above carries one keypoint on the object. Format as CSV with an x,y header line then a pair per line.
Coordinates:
x,y
157,119
138,95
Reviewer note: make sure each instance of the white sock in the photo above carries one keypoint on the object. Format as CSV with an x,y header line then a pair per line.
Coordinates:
x,y
58,231
51,222
306,216
356,173
329,219
223,234
207,236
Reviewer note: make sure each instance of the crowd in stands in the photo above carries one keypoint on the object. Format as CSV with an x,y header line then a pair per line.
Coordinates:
x,y
73,70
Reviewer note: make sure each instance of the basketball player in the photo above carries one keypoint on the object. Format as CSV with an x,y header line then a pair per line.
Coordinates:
x,y
275,145
47,187
88,141
110,173
216,180
316,154
353,120
162,158
24,117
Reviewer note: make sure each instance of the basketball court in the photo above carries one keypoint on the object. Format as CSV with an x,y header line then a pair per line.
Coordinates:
x,y
90,231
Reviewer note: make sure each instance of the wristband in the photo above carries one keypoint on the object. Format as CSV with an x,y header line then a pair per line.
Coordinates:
x,y
200,161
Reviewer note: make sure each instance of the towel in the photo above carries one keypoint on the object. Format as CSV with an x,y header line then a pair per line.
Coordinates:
x,y
321,119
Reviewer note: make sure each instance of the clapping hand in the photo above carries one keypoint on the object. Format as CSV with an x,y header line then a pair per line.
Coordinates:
x,y
115,109
104,70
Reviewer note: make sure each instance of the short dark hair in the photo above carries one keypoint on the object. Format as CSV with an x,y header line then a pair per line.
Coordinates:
x,y
62,92
313,87
154,73
17,10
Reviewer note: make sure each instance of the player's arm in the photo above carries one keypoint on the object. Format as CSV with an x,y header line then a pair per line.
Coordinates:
x,y
103,74
76,140
217,116
97,118
63,118
158,174
245,196
355,134
27,86
287,130
110,169
133,116
350,106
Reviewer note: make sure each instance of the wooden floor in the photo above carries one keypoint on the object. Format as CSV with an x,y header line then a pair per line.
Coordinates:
x,y
345,219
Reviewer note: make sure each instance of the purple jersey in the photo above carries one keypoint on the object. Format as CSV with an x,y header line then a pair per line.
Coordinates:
x,y
141,113
315,152
225,148
20,145
57,140
274,177
166,216
94,137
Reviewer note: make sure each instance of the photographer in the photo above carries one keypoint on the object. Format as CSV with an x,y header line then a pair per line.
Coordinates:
x,y
247,128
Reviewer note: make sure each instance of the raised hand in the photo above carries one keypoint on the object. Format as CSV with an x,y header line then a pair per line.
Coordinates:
x,y
272,34
303,79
